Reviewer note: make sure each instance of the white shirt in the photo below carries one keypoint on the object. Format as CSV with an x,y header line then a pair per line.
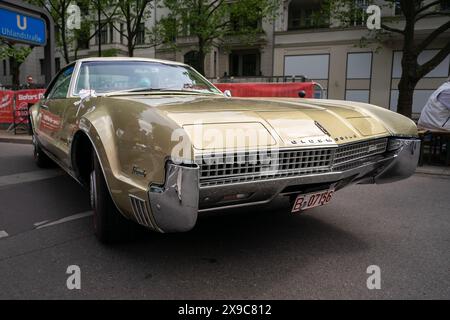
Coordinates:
x,y
436,113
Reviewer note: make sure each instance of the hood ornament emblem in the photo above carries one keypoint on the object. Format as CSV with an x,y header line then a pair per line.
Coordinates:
x,y
318,125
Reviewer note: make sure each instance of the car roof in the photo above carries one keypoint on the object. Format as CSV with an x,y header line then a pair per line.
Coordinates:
x,y
131,59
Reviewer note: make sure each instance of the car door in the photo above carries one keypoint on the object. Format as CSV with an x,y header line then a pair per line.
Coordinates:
x,y
51,113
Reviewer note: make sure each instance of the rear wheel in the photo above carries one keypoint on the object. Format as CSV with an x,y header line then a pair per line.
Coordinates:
x,y
40,158
109,224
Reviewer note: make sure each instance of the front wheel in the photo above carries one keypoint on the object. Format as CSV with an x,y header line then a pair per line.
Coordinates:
x,y
109,224
40,158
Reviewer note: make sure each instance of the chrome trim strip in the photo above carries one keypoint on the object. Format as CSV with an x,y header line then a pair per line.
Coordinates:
x,y
141,212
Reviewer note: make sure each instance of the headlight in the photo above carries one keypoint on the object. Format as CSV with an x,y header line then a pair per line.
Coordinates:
x,y
394,144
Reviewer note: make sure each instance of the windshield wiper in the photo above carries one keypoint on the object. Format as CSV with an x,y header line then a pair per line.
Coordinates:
x,y
132,90
149,89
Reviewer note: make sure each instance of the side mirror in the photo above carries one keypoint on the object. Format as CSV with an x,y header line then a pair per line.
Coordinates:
x,y
227,93
302,93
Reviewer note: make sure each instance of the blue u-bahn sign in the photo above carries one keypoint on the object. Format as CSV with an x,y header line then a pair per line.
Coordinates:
x,y
20,27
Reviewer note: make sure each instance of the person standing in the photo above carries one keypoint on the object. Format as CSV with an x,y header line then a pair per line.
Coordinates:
x,y
436,113
30,83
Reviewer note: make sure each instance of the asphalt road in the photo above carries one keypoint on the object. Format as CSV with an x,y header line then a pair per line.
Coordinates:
x,y
259,253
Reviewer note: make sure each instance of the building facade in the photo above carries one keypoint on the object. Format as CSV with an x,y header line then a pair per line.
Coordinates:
x,y
298,43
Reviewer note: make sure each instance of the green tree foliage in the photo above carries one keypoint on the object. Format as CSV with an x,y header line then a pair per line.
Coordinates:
x,y
215,20
402,26
17,55
133,14
58,11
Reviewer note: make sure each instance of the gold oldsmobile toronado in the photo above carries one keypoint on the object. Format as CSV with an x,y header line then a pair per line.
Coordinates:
x,y
156,143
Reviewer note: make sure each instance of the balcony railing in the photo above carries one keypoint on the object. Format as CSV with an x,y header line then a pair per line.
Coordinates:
x,y
232,79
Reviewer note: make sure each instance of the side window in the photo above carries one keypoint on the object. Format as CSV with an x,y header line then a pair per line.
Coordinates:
x,y
61,84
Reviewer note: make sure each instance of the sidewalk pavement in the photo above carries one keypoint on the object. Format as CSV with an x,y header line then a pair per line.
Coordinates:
x,y
434,170
8,136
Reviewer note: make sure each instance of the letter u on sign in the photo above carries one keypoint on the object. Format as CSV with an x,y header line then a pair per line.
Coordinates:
x,y
22,25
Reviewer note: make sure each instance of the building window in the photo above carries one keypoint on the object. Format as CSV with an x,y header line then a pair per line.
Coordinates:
x,y
12,64
245,63
83,41
358,95
215,64
186,28
359,15
359,65
122,32
170,24
192,58
397,8
111,33
4,67
57,64
140,34
311,66
440,71
420,98
103,34
306,15
41,65
240,23
84,8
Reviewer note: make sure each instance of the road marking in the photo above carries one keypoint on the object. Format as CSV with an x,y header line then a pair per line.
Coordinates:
x,y
3,234
66,219
29,177
37,224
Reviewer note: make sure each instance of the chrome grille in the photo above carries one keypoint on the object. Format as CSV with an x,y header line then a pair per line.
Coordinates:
x,y
141,212
359,150
238,167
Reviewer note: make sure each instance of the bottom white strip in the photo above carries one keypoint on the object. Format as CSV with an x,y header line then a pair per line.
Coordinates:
x,y
3,234
66,219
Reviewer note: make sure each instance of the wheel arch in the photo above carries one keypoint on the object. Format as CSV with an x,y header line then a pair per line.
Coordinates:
x,y
83,143
82,150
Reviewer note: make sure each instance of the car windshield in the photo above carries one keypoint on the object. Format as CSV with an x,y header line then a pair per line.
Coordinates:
x,y
114,76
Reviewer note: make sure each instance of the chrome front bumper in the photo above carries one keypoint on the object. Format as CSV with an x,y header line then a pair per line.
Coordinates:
x,y
176,204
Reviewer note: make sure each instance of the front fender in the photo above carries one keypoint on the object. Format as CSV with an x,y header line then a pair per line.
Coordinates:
x,y
133,150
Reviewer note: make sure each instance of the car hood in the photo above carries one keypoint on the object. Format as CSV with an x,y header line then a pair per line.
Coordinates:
x,y
217,122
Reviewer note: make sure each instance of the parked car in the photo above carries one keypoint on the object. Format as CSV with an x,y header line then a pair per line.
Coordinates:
x,y
156,143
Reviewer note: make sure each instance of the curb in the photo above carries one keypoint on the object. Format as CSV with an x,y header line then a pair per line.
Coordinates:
x,y
435,171
15,140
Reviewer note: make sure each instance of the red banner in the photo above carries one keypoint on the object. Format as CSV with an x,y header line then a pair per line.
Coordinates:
x,y
286,90
23,99
6,106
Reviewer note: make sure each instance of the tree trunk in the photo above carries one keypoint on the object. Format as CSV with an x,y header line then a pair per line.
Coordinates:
x,y
99,36
15,70
406,88
64,37
130,47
